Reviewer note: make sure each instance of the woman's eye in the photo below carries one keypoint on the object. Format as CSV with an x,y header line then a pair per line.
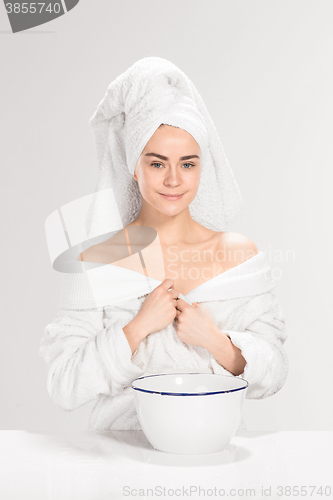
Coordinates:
x,y
190,164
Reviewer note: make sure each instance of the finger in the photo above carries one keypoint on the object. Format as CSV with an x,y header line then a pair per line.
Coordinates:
x,y
174,293
179,305
182,304
167,284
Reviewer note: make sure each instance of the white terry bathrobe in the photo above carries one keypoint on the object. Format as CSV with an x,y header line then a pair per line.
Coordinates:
x,y
90,359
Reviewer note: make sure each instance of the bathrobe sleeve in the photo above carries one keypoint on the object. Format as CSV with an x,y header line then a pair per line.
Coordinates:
x,y
85,358
261,343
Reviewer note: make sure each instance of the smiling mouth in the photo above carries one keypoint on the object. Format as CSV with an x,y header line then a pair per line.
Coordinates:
x,y
171,197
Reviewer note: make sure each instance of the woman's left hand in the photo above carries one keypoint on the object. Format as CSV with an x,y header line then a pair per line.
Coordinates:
x,y
195,324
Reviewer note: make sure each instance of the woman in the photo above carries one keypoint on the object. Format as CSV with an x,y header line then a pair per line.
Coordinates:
x,y
213,311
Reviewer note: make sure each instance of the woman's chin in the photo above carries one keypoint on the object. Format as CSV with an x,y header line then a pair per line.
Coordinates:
x,y
170,212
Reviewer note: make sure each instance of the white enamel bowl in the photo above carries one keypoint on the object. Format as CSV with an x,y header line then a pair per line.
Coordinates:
x,y
189,413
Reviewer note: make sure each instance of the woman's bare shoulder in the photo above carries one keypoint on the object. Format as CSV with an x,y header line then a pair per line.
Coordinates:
x,y
114,248
95,253
242,247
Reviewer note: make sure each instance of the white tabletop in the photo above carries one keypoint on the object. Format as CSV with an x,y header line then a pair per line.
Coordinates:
x,y
122,464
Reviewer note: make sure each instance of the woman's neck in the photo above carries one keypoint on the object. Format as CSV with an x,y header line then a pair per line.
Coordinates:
x,y
176,232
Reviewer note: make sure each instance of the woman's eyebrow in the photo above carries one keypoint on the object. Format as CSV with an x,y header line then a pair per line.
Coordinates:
x,y
165,158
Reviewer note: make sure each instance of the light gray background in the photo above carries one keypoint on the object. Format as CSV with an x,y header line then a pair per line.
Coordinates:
x,y
264,70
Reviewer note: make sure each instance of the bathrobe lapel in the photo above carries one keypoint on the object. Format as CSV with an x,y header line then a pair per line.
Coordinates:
x,y
113,285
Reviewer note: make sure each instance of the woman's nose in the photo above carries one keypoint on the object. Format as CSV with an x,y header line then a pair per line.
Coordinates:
x,y
172,178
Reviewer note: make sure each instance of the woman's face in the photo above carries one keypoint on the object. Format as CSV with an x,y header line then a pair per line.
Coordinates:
x,y
170,163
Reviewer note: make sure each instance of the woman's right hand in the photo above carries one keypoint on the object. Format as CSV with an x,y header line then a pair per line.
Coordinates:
x,y
159,308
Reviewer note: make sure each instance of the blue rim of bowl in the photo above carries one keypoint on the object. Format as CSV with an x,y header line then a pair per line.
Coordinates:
x,y
189,393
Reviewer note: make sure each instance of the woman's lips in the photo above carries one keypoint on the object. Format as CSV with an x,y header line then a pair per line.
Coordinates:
x,y
171,198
